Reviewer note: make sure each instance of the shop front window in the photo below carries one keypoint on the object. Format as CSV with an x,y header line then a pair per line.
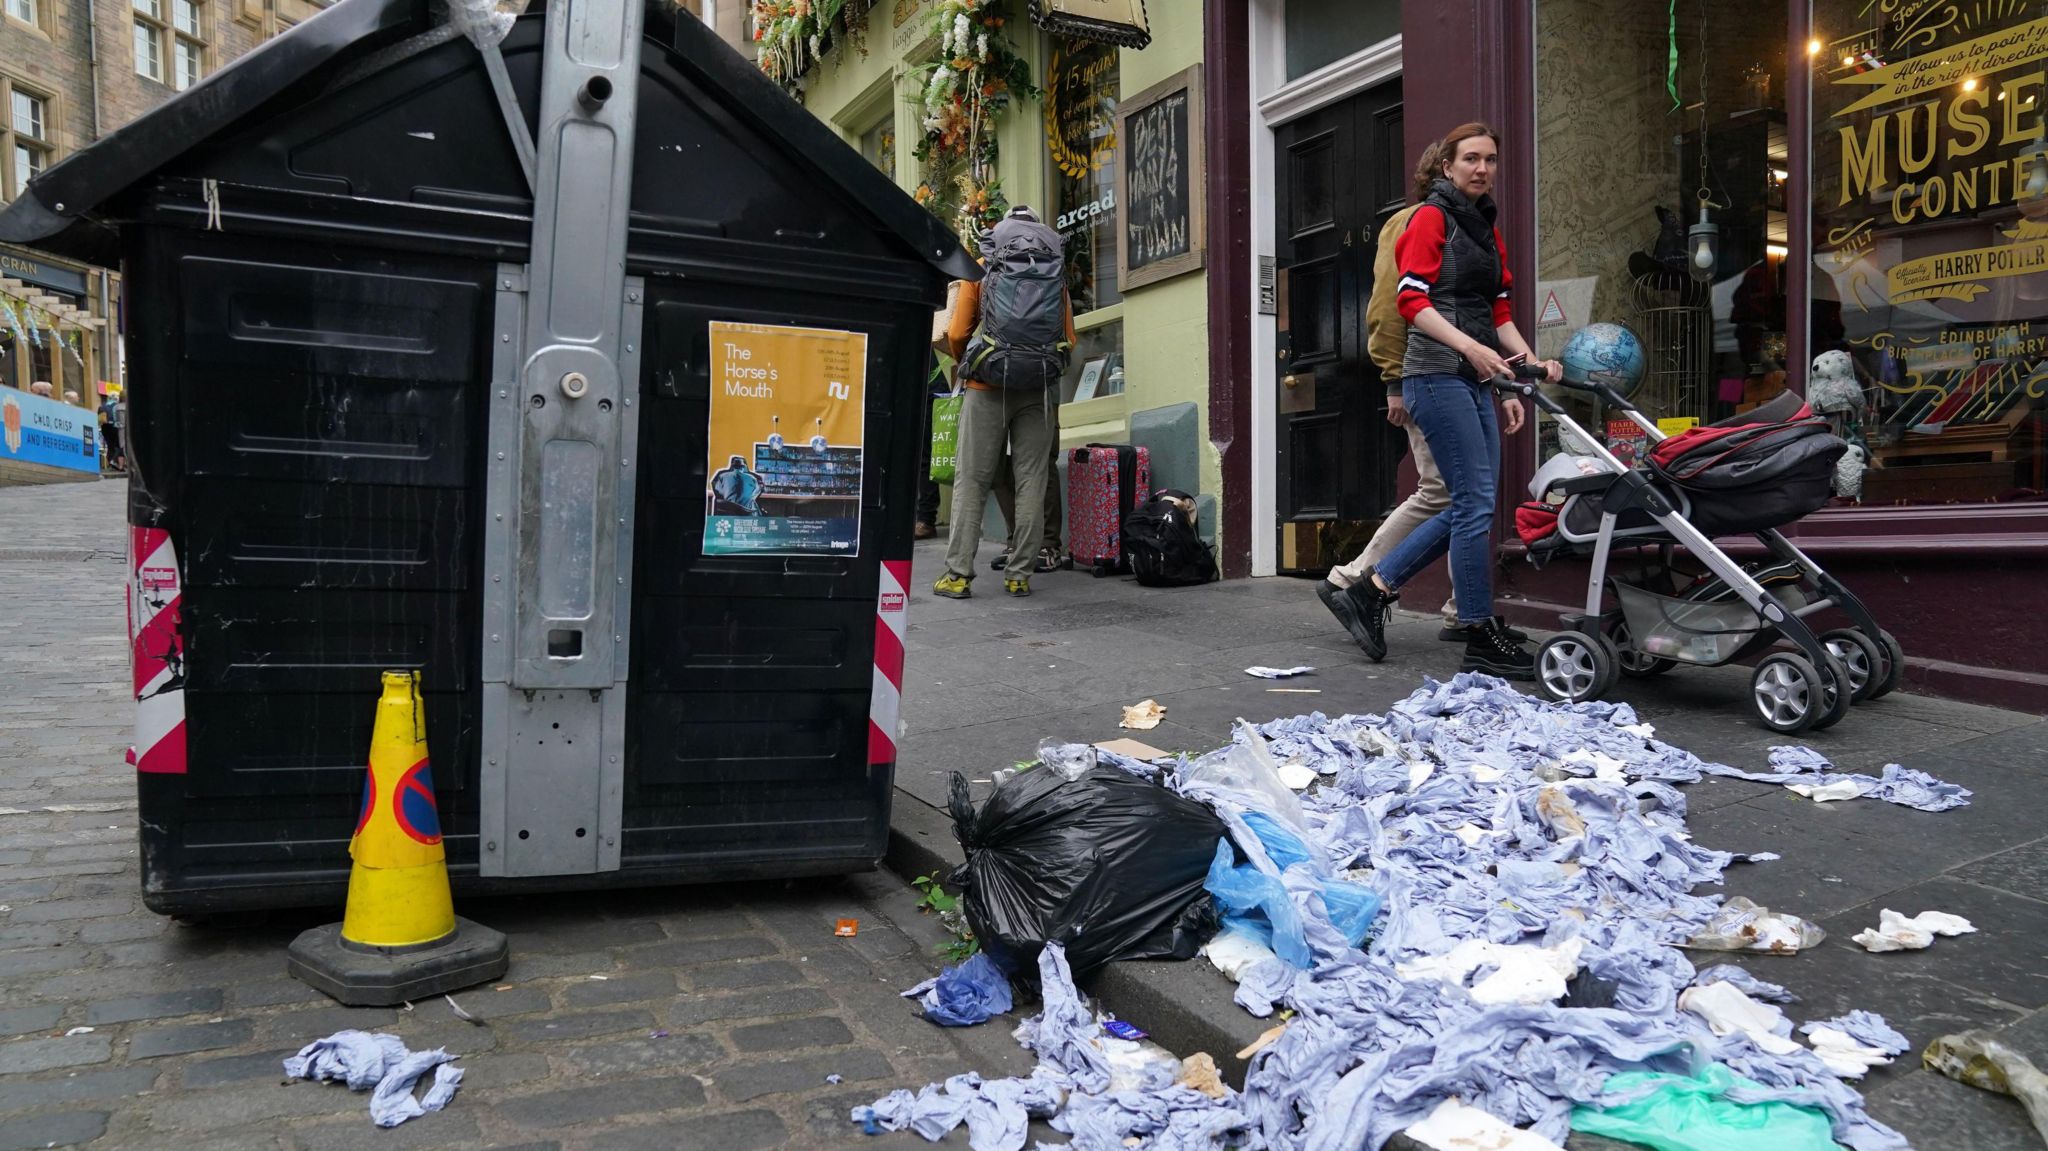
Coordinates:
x,y
1686,106
1097,366
40,363
1080,131
1321,32
1930,233
878,144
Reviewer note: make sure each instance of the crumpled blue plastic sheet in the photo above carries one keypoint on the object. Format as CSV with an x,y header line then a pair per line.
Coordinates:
x,y
364,1060
1865,1027
1746,983
963,996
1904,786
1260,903
1482,813
1070,1087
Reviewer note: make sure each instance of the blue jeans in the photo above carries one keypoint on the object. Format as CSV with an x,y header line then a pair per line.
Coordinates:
x,y
1457,418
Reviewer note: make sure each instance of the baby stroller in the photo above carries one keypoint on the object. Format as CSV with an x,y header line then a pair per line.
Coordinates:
x,y
1746,475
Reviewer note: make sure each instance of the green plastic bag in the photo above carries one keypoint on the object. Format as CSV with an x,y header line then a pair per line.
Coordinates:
x,y
1693,1115
945,437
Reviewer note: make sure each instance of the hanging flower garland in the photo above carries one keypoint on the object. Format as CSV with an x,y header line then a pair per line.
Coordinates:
x,y
792,35
978,76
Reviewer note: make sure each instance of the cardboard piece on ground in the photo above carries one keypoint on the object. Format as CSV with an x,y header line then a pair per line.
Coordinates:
x,y
1131,747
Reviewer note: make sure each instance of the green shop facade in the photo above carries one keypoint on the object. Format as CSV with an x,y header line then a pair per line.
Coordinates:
x,y
1049,135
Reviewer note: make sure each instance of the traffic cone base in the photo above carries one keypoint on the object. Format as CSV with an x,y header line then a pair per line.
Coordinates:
x,y
399,938
361,976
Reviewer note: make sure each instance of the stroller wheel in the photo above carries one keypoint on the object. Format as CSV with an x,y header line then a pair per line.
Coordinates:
x,y
1787,691
1894,665
1571,667
1634,663
1836,693
1861,658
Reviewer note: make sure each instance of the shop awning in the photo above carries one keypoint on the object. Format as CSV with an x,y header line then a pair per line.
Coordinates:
x,y
1119,22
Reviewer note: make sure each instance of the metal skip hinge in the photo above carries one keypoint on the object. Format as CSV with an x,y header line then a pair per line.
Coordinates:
x,y
563,455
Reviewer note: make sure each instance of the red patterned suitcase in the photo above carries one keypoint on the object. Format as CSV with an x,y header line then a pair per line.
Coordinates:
x,y
1104,482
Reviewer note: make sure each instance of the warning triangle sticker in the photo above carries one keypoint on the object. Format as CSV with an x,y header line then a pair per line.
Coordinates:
x,y
1553,313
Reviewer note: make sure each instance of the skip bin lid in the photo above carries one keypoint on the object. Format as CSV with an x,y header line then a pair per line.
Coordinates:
x,y
72,207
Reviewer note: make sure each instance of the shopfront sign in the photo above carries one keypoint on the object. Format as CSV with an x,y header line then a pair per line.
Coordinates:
x,y
910,25
1930,227
29,270
38,430
786,449
1160,183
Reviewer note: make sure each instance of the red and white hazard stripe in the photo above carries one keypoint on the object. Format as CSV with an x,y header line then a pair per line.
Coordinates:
x,y
156,652
892,613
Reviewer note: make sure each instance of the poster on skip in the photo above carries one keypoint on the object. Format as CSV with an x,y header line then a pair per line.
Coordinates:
x,y
786,445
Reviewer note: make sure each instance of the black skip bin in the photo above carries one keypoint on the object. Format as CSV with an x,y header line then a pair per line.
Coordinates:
x,y
376,425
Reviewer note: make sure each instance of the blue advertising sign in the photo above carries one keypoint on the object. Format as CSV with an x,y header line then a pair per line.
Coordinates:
x,y
37,430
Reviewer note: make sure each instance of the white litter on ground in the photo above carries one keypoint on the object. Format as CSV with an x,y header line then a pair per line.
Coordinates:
x,y
1895,932
1453,1126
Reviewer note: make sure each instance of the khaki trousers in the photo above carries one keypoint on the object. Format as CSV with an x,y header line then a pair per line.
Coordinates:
x,y
992,421
1431,496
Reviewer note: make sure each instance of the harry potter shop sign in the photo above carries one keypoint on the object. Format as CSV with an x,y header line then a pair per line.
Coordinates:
x,y
1930,210
1951,132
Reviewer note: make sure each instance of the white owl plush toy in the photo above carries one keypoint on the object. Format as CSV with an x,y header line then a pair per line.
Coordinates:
x,y
1832,387
1849,473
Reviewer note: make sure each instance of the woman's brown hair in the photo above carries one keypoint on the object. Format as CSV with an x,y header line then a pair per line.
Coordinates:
x,y
1427,168
1447,148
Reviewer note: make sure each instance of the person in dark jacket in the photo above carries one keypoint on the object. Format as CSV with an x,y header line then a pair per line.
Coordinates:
x,y
1456,294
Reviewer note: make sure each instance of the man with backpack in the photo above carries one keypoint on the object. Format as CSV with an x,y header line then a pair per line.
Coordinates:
x,y
1022,328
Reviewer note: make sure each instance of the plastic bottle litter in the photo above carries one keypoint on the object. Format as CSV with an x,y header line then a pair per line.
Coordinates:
x,y
1980,1060
1071,760
1741,925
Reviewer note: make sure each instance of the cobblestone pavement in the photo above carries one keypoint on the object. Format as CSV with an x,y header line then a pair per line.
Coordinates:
x,y
672,1018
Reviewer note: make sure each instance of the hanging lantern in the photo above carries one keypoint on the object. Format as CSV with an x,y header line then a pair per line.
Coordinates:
x,y
1703,244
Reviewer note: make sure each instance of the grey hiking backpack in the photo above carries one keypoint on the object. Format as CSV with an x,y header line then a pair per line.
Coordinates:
x,y
1022,339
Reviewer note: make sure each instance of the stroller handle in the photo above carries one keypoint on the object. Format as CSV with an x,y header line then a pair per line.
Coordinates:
x,y
1525,372
1520,384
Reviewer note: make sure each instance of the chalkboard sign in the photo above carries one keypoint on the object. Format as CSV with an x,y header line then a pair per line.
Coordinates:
x,y
1160,181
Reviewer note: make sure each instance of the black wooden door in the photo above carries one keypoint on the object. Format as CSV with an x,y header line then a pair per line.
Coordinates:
x,y
1341,172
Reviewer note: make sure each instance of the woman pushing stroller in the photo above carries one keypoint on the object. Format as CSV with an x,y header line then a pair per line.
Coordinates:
x,y
1455,294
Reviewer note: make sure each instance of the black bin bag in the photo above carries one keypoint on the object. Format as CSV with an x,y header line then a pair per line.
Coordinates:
x,y
1108,864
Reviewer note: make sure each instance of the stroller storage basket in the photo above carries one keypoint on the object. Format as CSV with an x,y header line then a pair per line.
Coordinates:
x,y
1691,631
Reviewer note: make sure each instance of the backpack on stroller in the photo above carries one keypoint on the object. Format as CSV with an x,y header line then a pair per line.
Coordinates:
x,y
1748,475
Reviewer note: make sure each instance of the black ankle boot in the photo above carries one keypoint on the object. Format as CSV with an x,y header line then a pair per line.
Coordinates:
x,y
1362,609
1490,649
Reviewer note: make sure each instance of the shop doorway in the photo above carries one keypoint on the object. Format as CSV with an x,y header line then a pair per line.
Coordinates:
x,y
1340,171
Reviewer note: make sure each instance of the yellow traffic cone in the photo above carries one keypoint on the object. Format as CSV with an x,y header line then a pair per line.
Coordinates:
x,y
399,938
